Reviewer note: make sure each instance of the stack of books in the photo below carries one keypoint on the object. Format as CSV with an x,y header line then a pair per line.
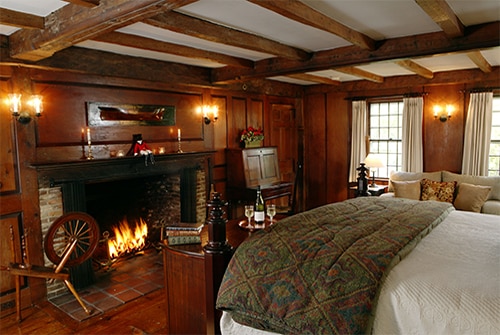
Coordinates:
x,y
184,233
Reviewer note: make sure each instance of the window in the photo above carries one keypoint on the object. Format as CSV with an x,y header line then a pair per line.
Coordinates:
x,y
494,161
386,133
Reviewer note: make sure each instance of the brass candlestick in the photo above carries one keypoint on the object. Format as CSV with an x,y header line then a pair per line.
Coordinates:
x,y
179,150
90,156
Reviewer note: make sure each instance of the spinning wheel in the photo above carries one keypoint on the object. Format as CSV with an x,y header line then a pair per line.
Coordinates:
x,y
70,240
76,231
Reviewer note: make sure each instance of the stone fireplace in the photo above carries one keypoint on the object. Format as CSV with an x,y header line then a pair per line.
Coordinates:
x,y
172,190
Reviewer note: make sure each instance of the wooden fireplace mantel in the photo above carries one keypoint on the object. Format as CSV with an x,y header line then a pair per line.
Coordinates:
x,y
54,173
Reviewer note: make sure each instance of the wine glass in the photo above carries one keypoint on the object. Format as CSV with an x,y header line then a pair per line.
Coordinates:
x,y
249,214
271,211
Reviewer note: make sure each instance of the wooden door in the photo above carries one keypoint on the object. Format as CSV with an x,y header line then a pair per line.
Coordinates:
x,y
284,136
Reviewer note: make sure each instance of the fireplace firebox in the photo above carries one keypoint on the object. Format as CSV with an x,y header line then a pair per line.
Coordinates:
x,y
111,190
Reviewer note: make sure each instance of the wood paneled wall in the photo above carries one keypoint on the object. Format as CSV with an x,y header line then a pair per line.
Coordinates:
x,y
322,129
328,127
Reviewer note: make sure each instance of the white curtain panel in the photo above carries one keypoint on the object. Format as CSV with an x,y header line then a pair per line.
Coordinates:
x,y
358,136
413,110
477,135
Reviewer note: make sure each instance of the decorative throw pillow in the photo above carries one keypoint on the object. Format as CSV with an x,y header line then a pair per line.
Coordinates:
x,y
407,189
471,197
439,191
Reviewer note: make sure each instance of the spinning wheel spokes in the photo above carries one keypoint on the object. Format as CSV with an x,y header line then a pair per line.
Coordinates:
x,y
75,226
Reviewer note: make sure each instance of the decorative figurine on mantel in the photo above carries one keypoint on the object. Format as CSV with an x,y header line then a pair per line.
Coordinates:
x,y
141,148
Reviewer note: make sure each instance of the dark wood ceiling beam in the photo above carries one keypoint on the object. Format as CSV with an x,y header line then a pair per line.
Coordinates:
x,y
95,62
360,73
476,37
85,3
441,13
300,12
144,43
21,20
479,60
313,78
416,68
406,84
72,24
191,26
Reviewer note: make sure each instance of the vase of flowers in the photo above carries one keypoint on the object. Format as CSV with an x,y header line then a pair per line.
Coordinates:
x,y
251,137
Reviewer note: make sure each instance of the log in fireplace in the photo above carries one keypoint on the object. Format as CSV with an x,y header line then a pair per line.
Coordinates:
x,y
174,189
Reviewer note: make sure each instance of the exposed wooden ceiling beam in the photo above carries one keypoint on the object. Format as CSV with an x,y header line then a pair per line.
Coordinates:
x,y
314,79
72,24
103,64
354,71
21,20
298,11
191,26
135,41
480,61
480,36
441,13
416,68
85,3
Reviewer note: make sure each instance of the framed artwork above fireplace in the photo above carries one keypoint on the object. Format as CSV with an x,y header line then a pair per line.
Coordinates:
x,y
109,114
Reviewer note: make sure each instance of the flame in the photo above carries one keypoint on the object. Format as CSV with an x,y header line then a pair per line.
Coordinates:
x,y
128,240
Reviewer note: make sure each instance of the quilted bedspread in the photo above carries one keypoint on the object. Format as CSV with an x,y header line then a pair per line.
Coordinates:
x,y
319,272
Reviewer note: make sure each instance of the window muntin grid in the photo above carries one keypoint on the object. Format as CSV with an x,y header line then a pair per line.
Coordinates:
x,y
386,131
494,156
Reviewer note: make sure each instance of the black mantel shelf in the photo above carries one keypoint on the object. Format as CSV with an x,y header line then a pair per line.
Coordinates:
x,y
109,169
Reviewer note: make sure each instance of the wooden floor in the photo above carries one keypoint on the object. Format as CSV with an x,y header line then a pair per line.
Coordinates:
x,y
145,315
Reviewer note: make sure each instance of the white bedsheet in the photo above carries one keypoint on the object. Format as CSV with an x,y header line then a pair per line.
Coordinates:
x,y
449,284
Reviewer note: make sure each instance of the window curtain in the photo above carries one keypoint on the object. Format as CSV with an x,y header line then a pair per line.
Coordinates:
x,y
412,150
358,136
478,134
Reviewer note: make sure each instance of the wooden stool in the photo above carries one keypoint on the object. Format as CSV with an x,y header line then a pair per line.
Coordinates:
x,y
70,241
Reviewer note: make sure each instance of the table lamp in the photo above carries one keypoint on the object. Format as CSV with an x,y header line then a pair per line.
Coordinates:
x,y
373,161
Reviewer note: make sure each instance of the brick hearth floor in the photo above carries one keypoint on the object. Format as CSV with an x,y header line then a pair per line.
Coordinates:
x,y
127,280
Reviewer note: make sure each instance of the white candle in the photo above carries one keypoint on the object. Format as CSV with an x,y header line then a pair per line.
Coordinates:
x,y
179,134
88,135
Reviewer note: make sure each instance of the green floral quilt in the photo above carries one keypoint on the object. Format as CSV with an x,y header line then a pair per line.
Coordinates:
x,y
319,272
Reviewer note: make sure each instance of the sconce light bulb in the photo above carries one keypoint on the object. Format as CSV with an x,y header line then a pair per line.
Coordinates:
x,y
437,110
215,112
15,103
449,110
36,102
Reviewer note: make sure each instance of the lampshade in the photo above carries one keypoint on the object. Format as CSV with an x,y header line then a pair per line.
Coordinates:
x,y
374,161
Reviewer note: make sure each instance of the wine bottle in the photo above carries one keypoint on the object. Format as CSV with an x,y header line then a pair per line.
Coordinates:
x,y
259,214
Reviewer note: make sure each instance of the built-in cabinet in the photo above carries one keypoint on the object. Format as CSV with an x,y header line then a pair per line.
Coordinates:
x,y
249,168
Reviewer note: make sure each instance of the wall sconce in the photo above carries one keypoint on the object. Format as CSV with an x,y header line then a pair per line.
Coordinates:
x,y
209,111
443,115
24,116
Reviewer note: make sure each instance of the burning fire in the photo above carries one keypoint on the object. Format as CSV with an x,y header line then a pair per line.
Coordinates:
x,y
126,240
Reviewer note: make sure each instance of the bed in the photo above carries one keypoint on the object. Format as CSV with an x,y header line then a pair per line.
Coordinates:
x,y
321,272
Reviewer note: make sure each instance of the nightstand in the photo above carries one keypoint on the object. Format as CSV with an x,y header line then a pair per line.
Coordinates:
x,y
187,306
377,189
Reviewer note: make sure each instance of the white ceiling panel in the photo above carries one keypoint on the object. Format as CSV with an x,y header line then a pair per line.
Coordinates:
x,y
386,69
145,30
247,17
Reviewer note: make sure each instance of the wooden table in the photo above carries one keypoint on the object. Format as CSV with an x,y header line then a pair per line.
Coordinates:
x,y
190,308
